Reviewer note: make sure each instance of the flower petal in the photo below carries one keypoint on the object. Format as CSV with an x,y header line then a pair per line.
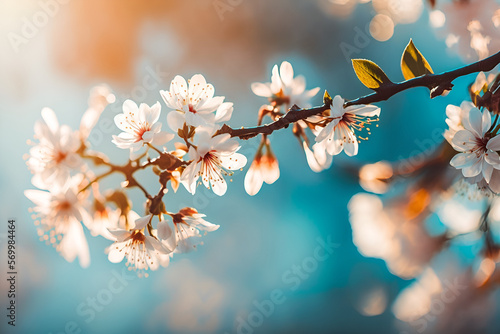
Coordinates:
x,y
253,179
261,89
161,138
164,230
175,120
142,222
286,73
50,119
464,140
474,122
494,143
463,160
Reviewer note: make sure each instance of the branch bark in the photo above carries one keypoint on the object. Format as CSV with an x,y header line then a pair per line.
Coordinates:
x,y
436,83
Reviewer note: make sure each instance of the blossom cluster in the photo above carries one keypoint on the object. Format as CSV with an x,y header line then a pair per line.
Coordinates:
x,y
68,192
441,205
194,150
474,135
335,130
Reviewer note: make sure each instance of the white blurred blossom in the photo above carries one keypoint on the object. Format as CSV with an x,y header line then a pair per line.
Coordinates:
x,y
60,211
55,155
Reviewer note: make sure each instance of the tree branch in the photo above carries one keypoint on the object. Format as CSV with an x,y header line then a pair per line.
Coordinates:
x,y
165,161
295,114
436,83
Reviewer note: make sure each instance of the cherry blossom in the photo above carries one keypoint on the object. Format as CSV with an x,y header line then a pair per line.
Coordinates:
x,y
140,126
284,88
264,168
54,156
212,158
455,116
187,224
469,27
60,211
100,97
317,158
103,219
387,232
194,103
340,133
477,147
142,251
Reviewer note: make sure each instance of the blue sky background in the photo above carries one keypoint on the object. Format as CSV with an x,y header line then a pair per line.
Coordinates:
x,y
260,237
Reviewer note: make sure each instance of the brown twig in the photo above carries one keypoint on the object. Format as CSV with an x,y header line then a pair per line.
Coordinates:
x,y
164,161
436,83
295,114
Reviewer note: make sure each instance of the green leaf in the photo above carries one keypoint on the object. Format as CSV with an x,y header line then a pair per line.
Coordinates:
x,y
370,74
327,99
413,63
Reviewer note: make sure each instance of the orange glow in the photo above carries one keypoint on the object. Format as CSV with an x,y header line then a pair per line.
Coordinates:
x,y
417,204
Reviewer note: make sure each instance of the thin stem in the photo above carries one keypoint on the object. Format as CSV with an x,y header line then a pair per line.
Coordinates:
x,y
133,183
109,172
494,123
154,148
294,115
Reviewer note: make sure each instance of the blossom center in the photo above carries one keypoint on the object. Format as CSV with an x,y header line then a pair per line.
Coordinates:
x,y
138,237
60,156
178,219
143,129
280,98
63,206
480,146
358,123
191,108
211,159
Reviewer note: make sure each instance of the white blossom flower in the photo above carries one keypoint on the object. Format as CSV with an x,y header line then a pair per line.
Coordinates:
x,y
194,103
476,146
340,134
212,158
60,211
54,157
387,232
460,215
264,168
100,97
482,82
187,224
470,27
104,218
376,177
284,88
140,126
455,116
142,251
317,158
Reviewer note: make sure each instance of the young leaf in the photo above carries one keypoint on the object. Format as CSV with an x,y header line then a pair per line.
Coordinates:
x,y
327,99
413,63
370,74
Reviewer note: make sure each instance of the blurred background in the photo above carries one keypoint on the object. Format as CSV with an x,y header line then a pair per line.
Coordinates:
x,y
53,52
